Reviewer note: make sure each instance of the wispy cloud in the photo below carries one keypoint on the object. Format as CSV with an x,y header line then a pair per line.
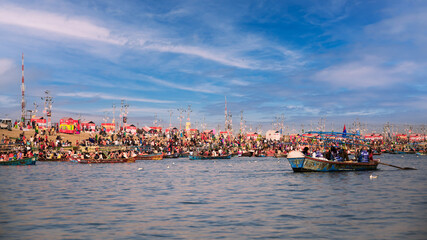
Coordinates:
x,y
216,56
55,23
407,26
239,82
203,88
365,74
109,97
140,110
7,101
5,65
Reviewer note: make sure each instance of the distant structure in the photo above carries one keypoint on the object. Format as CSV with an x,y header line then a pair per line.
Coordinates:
x,y
226,115
180,117
124,112
23,92
228,125
48,108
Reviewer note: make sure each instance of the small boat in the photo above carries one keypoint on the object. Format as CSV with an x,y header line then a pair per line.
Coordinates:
x,y
301,163
199,157
15,162
46,159
174,155
154,156
113,160
247,154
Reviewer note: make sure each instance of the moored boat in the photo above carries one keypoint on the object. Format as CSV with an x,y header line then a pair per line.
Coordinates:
x,y
154,156
45,159
174,155
15,162
301,163
199,157
113,160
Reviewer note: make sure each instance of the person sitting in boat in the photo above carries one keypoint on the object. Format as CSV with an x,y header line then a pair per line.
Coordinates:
x,y
335,154
328,154
206,154
305,151
19,155
364,155
317,153
343,154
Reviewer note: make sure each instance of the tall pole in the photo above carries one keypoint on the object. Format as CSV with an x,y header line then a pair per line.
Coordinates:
x,y
226,115
114,113
48,107
170,118
180,117
188,114
241,121
23,92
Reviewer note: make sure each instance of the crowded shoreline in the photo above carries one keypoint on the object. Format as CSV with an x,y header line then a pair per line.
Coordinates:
x,y
50,144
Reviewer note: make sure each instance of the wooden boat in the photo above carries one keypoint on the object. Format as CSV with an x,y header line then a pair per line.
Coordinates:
x,y
175,155
94,161
247,154
25,161
301,163
154,156
62,159
199,157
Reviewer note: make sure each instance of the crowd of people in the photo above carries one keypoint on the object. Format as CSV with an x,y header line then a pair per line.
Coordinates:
x,y
181,143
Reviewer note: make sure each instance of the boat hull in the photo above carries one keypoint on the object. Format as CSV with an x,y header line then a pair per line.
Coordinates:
x,y
308,164
150,157
95,161
25,161
196,157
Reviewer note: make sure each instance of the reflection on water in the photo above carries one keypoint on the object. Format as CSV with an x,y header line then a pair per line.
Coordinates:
x,y
242,198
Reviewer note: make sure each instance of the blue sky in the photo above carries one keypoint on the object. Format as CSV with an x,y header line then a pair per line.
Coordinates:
x,y
340,60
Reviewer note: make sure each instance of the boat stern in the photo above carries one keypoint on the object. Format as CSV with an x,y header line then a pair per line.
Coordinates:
x,y
296,160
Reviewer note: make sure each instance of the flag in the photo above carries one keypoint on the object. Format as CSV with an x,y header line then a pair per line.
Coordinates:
x,y
344,132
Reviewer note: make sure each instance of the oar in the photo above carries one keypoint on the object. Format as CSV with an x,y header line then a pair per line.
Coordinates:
x,y
402,168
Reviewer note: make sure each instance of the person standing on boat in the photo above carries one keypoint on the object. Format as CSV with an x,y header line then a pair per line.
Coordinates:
x,y
364,155
371,155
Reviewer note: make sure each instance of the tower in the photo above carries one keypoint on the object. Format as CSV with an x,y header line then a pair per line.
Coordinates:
x,y
226,116
48,108
23,92
170,118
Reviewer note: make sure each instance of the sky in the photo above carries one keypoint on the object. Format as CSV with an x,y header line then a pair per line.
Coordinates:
x,y
306,60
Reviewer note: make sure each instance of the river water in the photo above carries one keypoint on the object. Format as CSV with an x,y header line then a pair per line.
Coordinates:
x,y
241,198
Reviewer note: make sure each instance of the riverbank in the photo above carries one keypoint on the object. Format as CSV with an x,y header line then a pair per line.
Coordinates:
x,y
28,133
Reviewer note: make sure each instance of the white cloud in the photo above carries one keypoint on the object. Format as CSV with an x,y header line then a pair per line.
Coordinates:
x,y
56,23
110,97
215,56
6,101
5,65
365,74
239,82
412,26
204,88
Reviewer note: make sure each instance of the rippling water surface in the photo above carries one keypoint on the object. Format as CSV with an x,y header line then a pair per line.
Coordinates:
x,y
241,198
